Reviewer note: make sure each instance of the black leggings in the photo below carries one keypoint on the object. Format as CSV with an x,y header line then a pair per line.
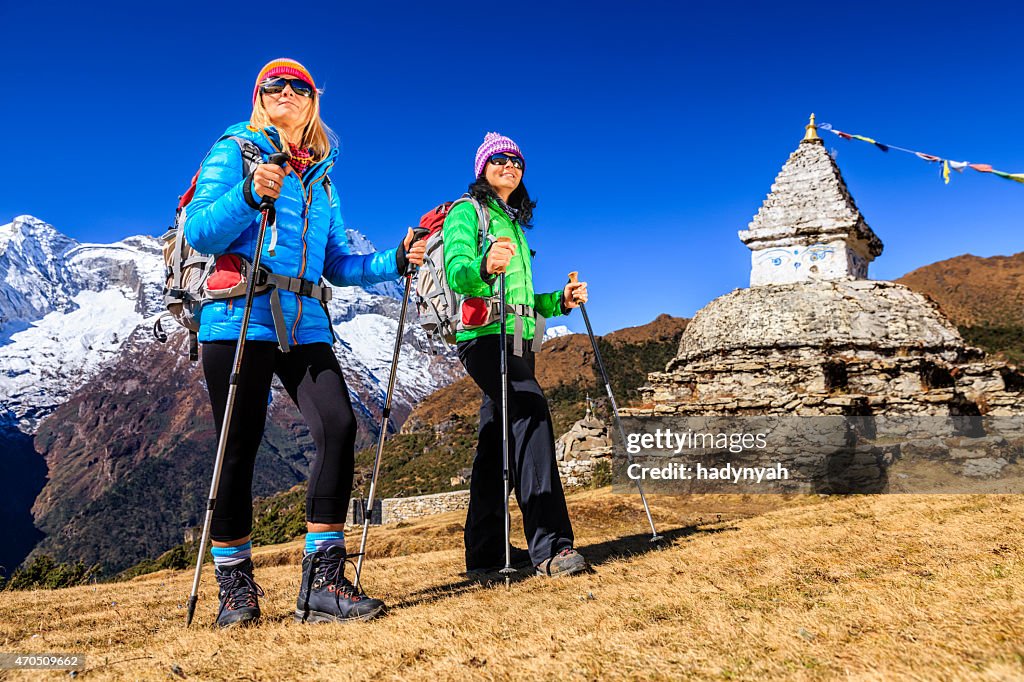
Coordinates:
x,y
312,377
534,472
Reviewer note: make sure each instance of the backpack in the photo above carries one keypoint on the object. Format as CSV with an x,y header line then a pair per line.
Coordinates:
x,y
442,311
187,272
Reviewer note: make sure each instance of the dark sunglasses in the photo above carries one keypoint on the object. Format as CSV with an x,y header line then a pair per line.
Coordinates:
x,y
276,85
502,159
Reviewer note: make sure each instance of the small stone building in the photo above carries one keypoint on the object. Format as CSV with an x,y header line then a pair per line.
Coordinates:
x,y
812,335
584,449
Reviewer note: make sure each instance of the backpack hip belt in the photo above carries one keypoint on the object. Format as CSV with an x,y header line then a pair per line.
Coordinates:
x,y
519,311
272,282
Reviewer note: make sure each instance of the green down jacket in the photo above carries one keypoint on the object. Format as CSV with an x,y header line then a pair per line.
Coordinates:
x,y
462,259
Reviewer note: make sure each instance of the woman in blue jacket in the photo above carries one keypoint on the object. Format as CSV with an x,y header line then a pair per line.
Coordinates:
x,y
289,333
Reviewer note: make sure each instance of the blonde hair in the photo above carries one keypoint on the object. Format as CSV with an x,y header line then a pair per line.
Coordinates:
x,y
315,133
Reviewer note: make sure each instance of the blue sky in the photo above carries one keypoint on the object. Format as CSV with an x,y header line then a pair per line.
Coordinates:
x,y
652,130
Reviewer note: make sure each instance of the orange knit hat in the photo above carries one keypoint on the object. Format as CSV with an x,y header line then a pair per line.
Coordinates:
x,y
282,67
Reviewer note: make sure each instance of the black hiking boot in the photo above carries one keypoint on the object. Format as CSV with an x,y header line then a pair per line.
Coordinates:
x,y
566,562
239,595
327,596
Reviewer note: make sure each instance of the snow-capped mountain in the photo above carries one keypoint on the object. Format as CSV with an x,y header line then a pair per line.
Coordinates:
x,y
556,331
115,413
67,308
33,280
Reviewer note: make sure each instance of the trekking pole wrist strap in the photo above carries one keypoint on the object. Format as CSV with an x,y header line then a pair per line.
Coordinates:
x,y
247,192
401,259
486,277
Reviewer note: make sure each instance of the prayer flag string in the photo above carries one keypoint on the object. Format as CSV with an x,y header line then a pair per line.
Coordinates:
x,y
945,164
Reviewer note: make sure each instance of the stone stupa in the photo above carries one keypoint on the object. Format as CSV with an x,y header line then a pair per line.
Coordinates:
x,y
812,335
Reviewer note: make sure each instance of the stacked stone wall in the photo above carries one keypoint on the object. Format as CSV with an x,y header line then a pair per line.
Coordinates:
x,y
395,509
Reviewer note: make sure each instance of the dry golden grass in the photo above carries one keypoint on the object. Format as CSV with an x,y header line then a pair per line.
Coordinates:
x,y
868,588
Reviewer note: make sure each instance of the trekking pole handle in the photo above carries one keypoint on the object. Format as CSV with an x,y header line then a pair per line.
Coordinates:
x,y
418,233
277,159
574,277
495,240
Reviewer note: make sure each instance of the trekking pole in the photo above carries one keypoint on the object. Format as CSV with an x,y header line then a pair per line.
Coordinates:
x,y
573,278
503,339
417,234
267,207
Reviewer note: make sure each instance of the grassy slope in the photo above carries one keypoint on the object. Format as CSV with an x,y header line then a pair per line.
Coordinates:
x,y
884,587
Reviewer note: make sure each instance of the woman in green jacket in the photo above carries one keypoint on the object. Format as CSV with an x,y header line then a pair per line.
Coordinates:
x,y
472,269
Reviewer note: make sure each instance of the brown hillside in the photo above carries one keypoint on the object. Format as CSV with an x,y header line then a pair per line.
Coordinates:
x,y
974,291
133,448
662,328
565,360
438,441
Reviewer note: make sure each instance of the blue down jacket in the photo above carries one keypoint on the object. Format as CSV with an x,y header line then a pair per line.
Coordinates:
x,y
311,241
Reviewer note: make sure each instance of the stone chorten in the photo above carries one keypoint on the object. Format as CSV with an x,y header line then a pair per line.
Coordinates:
x,y
809,228
812,335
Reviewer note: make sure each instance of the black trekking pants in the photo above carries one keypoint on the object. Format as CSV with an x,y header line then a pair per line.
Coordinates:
x,y
533,470
312,377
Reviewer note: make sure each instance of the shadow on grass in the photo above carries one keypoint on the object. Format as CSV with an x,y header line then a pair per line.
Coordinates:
x,y
596,555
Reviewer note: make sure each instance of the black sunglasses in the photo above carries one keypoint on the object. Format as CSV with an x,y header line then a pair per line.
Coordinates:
x,y
502,159
276,85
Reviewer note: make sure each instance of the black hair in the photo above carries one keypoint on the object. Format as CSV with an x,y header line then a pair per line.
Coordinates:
x,y
481,190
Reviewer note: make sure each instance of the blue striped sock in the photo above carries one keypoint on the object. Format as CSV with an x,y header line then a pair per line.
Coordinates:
x,y
229,556
316,542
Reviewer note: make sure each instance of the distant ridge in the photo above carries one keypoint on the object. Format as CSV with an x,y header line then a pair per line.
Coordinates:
x,y
974,291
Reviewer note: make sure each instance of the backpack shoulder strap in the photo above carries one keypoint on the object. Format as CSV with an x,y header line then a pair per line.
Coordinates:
x,y
483,217
251,154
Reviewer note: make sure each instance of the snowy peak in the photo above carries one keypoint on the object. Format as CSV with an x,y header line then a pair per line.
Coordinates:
x,y
135,264
26,228
359,244
556,331
33,276
67,308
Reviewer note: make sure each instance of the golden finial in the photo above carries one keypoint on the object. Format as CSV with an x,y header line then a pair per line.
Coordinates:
x,y
812,130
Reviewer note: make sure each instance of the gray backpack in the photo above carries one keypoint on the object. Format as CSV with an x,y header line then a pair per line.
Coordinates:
x,y
440,308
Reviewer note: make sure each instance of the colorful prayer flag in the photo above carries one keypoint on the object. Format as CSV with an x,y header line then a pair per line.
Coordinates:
x,y
1016,177
958,166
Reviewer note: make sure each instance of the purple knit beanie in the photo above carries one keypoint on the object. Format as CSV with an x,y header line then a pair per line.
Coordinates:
x,y
494,143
